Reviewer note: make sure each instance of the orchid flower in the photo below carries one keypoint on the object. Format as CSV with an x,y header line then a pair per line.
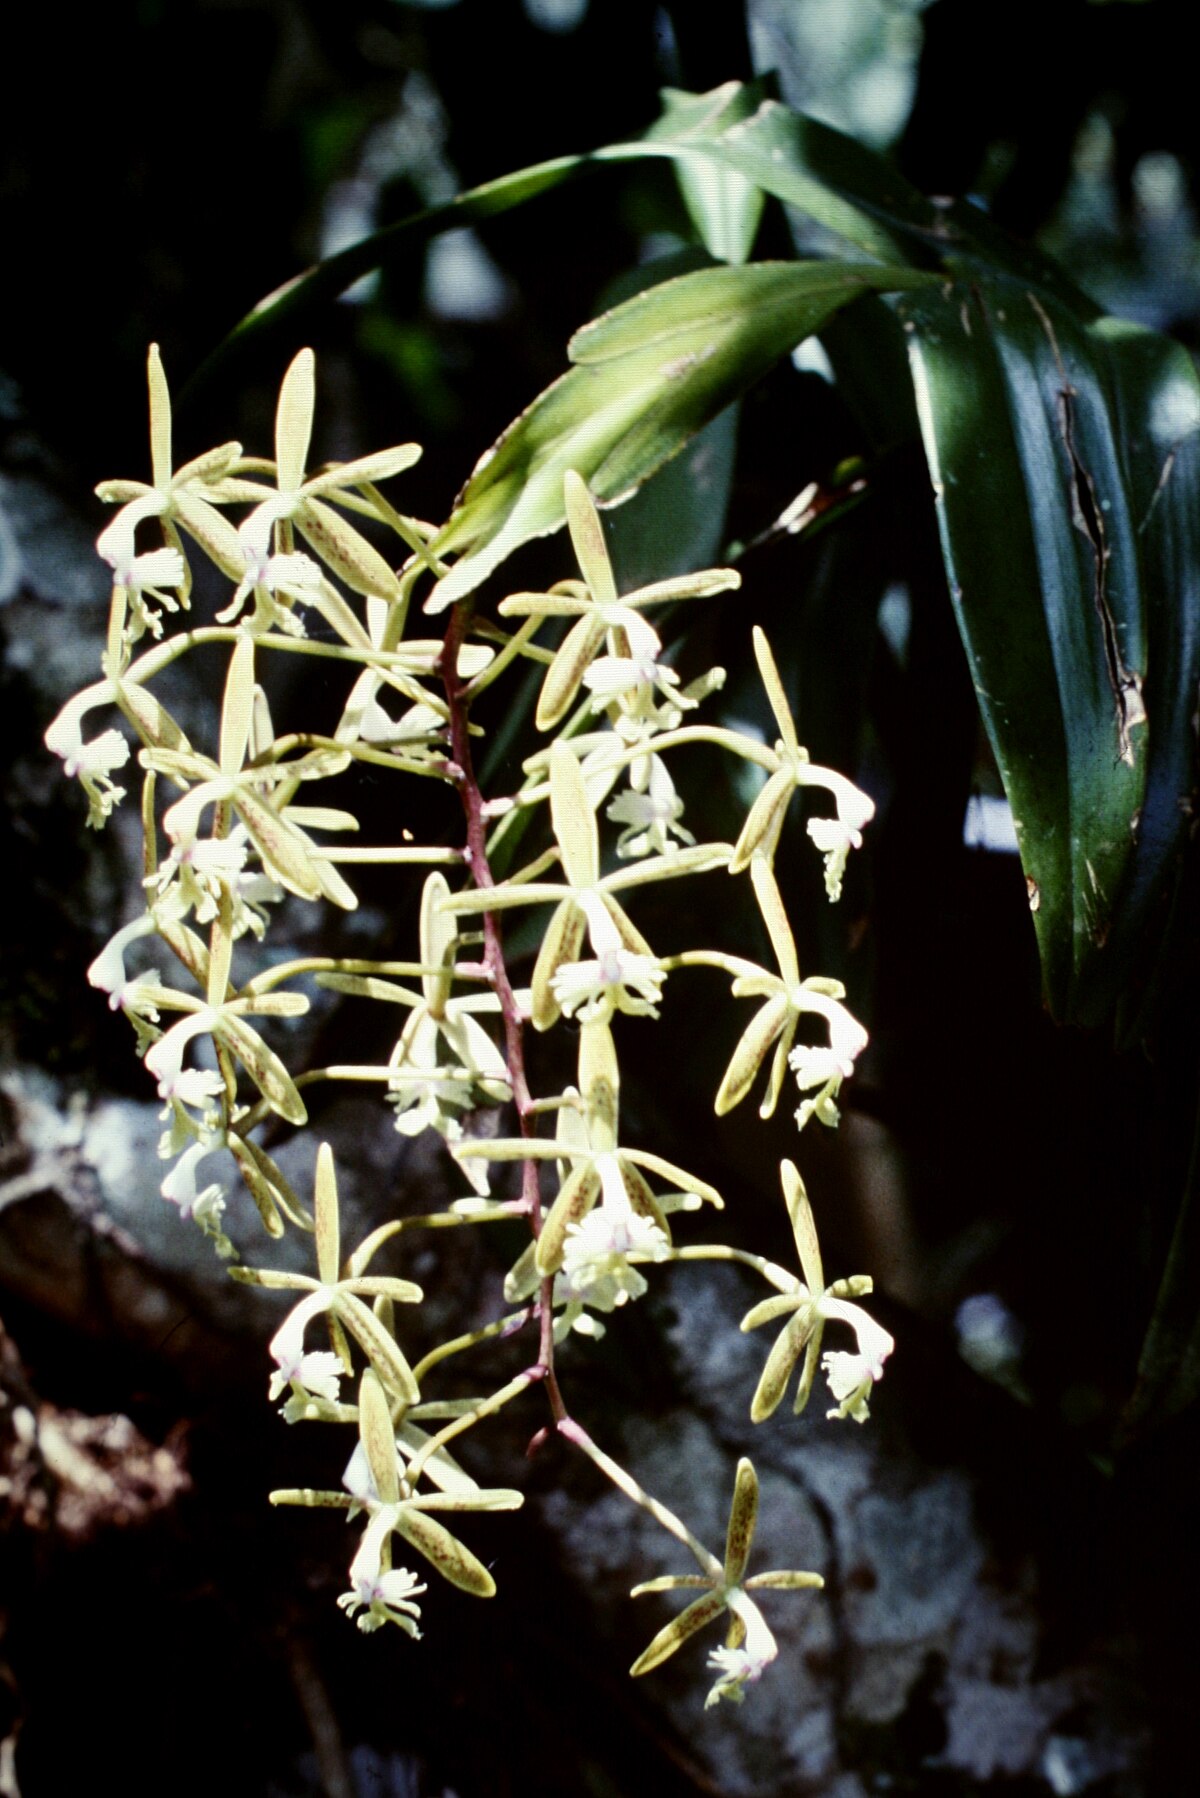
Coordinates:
x,y
444,1058
650,817
340,1297
597,610
597,1166
787,998
749,1645
303,503
394,1509
809,1305
92,762
183,497
585,893
792,770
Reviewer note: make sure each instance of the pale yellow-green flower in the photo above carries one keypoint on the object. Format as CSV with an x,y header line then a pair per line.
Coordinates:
x,y
225,1022
596,1166
94,763
586,896
600,614
183,497
340,1297
650,816
288,853
749,1645
786,999
809,1305
394,1509
793,770
444,1060
303,503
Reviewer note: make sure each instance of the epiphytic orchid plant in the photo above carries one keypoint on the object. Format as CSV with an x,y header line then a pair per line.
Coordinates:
x,y
233,824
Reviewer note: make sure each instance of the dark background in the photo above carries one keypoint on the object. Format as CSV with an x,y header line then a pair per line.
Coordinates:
x,y
164,166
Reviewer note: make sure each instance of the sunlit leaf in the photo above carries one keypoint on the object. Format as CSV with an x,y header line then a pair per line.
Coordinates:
x,y
648,375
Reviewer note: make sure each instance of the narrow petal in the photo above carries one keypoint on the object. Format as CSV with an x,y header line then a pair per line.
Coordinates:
x,y
379,1346
784,1581
380,466
770,904
763,821
264,1068
750,1053
775,693
561,944
378,1438
599,1082
346,550
329,1255
566,671
767,1310
781,1362
286,852
676,1633
587,539
160,420
237,707
579,1193
452,1559
573,819
743,1517
804,1227
293,420
213,532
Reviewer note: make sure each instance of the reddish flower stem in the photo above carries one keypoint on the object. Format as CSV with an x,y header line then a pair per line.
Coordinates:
x,y
462,771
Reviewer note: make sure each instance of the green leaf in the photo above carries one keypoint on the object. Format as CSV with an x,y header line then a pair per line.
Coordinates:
x,y
723,205
1156,411
849,190
648,375
290,304
1063,456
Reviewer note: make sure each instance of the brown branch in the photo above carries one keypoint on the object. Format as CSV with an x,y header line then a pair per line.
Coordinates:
x,y
475,855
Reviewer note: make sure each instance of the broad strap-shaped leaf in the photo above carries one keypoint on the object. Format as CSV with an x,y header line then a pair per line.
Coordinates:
x,y
1062,453
1156,408
724,206
847,189
851,191
844,187
648,375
